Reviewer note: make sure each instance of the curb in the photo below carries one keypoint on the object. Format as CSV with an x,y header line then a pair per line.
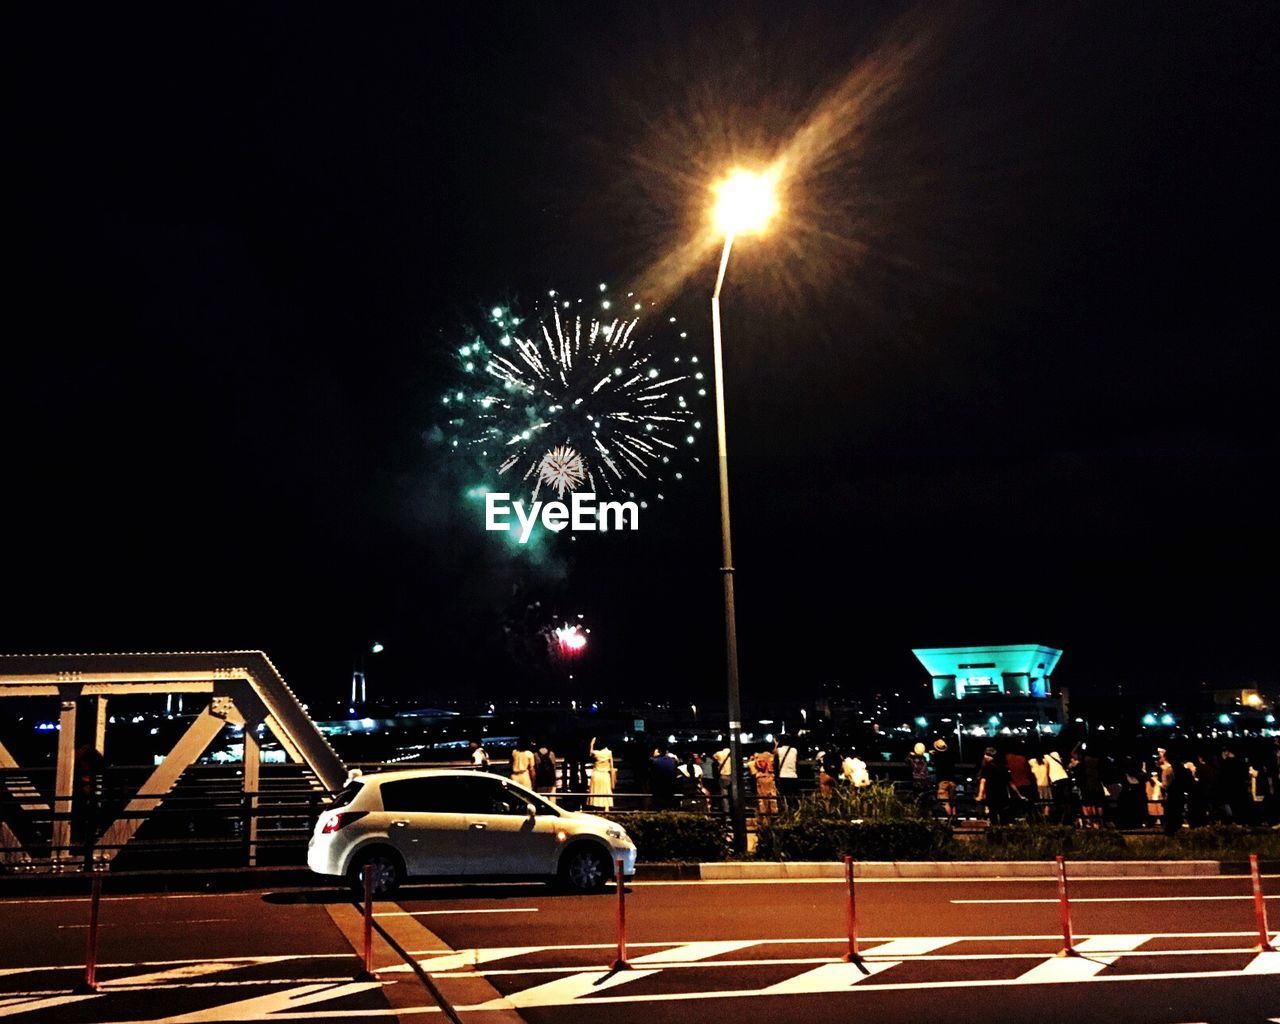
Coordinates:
x,y
747,870
27,884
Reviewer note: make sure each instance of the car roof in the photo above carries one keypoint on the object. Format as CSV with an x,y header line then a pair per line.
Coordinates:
x,y
396,774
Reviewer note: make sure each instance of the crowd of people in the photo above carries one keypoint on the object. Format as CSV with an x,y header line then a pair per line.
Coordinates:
x,y
1193,784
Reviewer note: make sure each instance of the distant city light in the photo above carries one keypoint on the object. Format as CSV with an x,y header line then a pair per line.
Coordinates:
x,y
1166,719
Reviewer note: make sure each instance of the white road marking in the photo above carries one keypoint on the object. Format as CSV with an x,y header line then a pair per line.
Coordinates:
x,y
908,947
44,1003
186,960
274,1004
564,991
1118,899
1054,936
130,924
689,951
1096,955
459,959
451,913
836,977
815,961
195,969
1103,979
1264,963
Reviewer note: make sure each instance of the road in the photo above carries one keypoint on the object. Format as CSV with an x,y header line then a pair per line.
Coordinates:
x,y
1154,951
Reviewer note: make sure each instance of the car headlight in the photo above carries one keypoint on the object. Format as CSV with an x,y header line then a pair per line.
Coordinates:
x,y
616,833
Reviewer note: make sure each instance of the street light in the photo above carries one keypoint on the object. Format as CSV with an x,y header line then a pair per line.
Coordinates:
x,y
745,203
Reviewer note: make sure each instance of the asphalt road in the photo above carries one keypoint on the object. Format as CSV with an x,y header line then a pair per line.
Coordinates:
x,y
1166,951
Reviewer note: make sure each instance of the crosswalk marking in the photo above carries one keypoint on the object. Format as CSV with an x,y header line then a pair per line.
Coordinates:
x,y
1096,955
44,1003
272,1004
189,971
837,977
563,991
465,958
692,951
1264,963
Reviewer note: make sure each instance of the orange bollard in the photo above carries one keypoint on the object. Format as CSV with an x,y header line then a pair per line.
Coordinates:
x,y
366,960
90,982
1064,906
850,915
1260,908
621,964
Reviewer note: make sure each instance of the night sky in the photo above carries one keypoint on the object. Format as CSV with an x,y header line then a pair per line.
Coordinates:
x,y
1013,381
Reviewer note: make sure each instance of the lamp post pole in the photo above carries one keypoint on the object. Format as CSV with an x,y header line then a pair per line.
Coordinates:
x,y
726,573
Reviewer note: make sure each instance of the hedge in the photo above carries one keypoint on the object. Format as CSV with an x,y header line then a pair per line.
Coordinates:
x,y
1044,842
832,839
673,835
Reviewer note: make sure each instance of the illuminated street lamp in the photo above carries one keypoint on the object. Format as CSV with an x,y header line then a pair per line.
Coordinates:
x,y
359,691
745,203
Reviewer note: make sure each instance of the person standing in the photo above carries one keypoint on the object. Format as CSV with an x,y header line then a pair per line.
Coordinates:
x,y
1044,791
787,759
1060,786
993,786
944,770
1155,798
545,770
761,768
921,788
604,777
479,756
1022,781
663,777
723,762
522,761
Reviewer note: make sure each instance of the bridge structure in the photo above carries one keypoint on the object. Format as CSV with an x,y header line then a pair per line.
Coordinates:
x,y
244,691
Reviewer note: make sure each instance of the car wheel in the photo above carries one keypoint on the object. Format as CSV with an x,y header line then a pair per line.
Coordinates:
x,y
388,872
585,868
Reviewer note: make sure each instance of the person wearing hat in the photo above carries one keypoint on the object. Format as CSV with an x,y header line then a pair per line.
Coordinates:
x,y
921,784
943,760
993,786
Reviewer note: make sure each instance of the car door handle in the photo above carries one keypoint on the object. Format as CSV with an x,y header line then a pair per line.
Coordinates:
x,y
400,822
478,825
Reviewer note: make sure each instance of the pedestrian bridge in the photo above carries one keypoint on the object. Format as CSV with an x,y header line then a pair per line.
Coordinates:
x,y
244,690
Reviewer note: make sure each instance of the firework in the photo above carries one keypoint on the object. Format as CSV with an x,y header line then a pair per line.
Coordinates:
x,y
571,639
576,397
563,469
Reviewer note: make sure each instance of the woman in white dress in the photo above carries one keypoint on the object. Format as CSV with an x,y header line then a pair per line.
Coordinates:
x,y
522,764
603,777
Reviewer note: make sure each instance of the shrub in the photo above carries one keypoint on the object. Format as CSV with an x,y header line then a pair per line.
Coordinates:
x,y
809,838
1034,841
673,835
1223,842
879,801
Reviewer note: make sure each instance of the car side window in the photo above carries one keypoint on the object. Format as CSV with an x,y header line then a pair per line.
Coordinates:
x,y
447,795
507,801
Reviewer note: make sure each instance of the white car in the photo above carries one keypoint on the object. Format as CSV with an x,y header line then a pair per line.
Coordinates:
x,y
438,823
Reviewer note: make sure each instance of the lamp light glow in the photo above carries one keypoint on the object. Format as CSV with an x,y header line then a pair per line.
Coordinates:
x,y
745,202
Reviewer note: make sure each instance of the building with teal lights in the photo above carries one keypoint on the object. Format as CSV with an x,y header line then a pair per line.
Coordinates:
x,y
1017,670
989,691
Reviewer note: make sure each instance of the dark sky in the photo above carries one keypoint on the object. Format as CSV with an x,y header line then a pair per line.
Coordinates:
x,y
1018,387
